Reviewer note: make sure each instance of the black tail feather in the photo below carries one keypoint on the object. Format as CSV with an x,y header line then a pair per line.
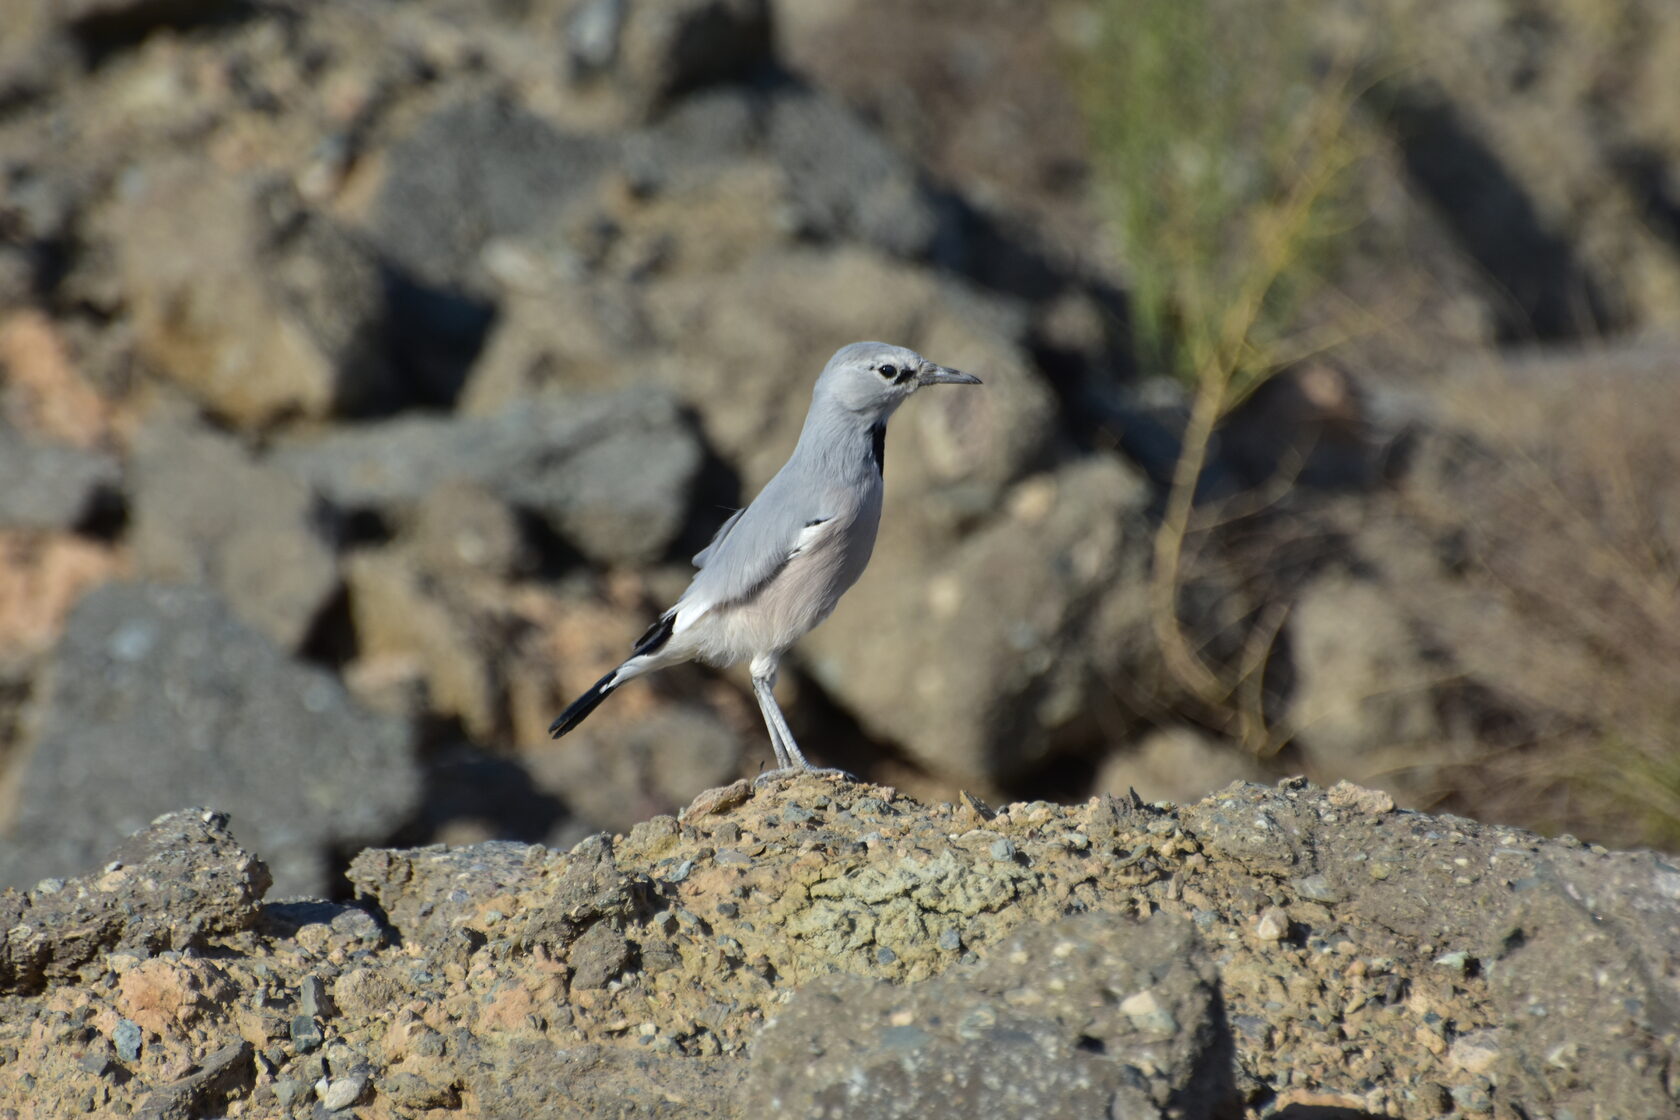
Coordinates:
x,y
582,706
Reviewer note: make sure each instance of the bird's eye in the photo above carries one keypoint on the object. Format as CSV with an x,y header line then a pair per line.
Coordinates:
x,y
887,371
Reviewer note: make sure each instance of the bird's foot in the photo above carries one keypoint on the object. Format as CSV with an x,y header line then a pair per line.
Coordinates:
x,y
788,773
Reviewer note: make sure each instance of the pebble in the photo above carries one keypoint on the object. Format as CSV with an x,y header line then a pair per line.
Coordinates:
x,y
1272,925
950,941
1316,888
1475,1052
289,1090
1146,1013
342,1092
306,1033
1003,848
127,1039
1371,802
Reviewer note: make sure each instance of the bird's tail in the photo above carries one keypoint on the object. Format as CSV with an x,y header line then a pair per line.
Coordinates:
x,y
583,705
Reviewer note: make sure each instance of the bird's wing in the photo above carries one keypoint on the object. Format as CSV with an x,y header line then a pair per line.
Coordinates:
x,y
705,554
751,548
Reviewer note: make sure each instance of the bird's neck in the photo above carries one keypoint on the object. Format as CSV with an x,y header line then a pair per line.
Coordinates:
x,y
839,443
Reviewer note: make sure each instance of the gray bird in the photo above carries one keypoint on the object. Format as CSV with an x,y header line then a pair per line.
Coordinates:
x,y
777,568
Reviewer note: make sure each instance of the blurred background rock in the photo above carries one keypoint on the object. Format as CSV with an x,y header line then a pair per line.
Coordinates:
x,y
372,369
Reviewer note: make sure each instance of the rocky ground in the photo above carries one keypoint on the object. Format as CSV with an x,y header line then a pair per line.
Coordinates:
x,y
826,948
398,356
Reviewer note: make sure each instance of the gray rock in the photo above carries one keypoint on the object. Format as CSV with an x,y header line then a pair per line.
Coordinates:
x,y
127,1040
172,886
471,172
1039,1029
51,486
980,691
259,308
659,50
123,19
221,1076
846,182
610,474
159,695
206,512
1366,688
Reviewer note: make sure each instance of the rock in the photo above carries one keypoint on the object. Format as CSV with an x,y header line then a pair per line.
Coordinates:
x,y
42,576
172,886
463,528
51,486
220,1077
46,393
665,757
1371,802
609,474
342,1092
979,693
158,694
470,172
654,52
847,183
127,1040
1178,764
398,611
1032,1032
206,512
823,941
1362,696
129,19
1272,925
262,310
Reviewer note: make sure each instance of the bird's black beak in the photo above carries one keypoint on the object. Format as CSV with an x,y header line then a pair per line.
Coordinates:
x,y
940,375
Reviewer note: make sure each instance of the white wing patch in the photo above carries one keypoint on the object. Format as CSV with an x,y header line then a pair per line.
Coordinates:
x,y
809,536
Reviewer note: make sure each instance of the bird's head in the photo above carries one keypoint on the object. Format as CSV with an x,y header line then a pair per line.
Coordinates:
x,y
872,378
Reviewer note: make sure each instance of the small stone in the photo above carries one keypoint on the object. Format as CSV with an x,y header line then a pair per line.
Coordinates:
x,y
719,800
1475,1096
1316,888
1003,848
950,941
127,1039
1371,802
884,955
342,1092
796,814
290,1090
1146,1013
306,1033
312,996
1273,924
681,872
1476,1052
1457,962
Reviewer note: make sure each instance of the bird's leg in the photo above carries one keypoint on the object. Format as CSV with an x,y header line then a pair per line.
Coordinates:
x,y
789,758
767,705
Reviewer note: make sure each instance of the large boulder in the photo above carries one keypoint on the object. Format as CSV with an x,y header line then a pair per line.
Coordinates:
x,y
610,475
260,308
205,511
1089,1016
158,695
54,486
981,655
